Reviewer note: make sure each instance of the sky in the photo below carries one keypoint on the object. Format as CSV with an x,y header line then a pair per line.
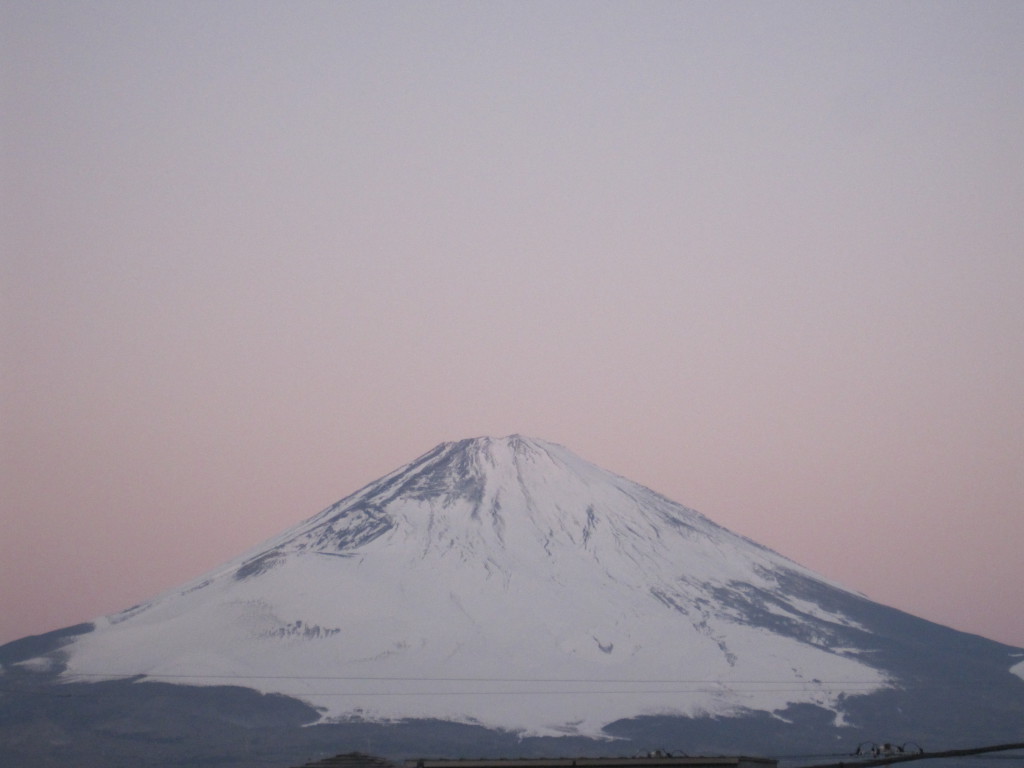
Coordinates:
x,y
766,258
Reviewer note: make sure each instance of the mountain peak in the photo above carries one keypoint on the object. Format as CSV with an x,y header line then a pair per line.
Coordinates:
x,y
480,491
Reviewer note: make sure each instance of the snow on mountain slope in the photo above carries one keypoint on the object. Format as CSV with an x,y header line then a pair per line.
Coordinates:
x,y
501,581
1018,670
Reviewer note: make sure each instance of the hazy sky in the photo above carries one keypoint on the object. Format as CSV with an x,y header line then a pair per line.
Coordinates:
x,y
765,258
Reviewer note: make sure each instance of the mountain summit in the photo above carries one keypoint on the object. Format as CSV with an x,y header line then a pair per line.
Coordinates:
x,y
509,583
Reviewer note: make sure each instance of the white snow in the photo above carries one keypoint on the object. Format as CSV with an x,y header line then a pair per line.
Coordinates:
x,y
1018,669
517,586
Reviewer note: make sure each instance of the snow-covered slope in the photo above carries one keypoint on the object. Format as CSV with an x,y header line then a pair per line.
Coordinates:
x,y
507,582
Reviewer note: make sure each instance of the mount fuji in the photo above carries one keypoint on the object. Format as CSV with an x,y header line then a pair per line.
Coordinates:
x,y
508,585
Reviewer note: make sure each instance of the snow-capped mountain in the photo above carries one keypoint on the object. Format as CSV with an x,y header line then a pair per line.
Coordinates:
x,y
503,580
510,583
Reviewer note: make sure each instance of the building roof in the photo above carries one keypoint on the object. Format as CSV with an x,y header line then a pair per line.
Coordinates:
x,y
648,761
351,760
653,760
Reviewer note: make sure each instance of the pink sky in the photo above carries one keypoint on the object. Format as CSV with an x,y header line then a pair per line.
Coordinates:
x,y
765,258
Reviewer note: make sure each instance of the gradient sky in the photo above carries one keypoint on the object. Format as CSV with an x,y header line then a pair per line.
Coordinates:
x,y
765,258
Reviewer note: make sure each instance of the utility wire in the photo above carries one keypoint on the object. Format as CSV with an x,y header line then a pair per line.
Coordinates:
x,y
904,758
664,686
392,678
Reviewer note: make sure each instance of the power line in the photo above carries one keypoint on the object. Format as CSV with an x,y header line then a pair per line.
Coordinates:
x,y
394,678
510,685
32,692
503,686
903,758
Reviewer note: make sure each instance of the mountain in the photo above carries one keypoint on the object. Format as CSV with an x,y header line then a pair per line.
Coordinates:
x,y
509,586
